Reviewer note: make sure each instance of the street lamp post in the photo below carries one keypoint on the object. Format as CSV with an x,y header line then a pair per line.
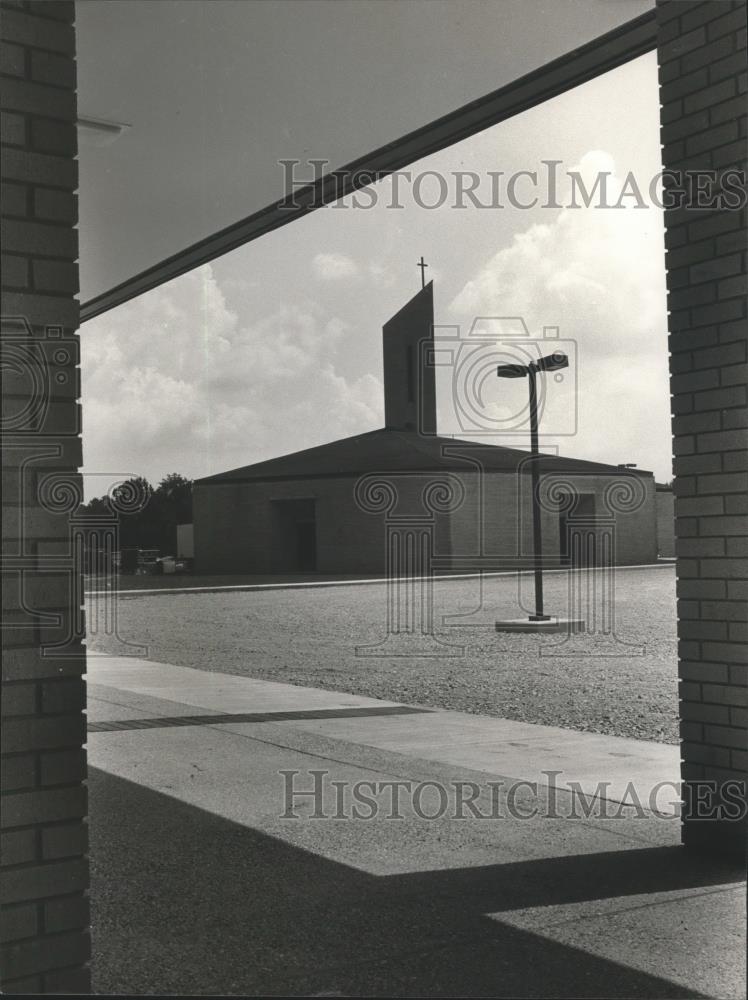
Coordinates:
x,y
550,363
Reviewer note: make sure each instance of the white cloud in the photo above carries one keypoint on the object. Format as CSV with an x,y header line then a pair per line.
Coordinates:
x,y
176,381
334,266
598,275
381,275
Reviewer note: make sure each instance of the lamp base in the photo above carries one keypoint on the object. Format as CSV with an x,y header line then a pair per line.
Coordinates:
x,y
546,625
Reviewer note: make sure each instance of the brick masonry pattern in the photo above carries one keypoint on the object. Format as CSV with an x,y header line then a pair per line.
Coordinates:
x,y
702,72
45,915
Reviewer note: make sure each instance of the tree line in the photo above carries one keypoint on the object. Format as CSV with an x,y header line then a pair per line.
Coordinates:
x,y
156,511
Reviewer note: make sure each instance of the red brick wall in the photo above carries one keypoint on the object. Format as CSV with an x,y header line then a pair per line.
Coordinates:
x,y
45,945
702,60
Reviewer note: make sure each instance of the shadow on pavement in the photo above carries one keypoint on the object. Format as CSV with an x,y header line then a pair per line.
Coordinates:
x,y
187,902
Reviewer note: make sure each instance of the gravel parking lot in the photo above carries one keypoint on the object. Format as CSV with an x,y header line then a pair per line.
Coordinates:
x,y
624,684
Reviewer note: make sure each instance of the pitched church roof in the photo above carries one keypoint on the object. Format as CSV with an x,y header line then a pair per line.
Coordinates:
x,y
387,450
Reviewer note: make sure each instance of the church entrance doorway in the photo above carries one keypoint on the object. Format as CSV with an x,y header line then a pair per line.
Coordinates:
x,y
296,535
575,519
306,545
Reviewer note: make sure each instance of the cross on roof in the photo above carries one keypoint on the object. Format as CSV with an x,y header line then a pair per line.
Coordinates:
x,y
423,267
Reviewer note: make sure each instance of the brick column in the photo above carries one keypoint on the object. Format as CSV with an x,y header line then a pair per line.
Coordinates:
x,y
44,837
702,61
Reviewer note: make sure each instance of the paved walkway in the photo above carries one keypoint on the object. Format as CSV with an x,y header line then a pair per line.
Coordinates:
x,y
213,874
188,583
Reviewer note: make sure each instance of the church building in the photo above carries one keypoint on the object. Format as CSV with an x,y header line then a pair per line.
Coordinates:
x,y
428,502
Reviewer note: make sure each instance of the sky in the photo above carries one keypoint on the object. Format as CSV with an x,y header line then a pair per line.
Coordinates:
x,y
221,90
276,346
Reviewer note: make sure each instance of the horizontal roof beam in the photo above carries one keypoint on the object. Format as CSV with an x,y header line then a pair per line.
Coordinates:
x,y
630,40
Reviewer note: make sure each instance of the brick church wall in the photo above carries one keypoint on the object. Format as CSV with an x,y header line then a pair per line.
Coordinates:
x,y
45,946
702,70
499,504
236,531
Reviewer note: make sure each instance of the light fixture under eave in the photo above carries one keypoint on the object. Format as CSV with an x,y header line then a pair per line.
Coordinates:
x,y
99,132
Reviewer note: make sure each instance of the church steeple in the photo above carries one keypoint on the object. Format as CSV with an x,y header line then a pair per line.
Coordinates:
x,y
409,377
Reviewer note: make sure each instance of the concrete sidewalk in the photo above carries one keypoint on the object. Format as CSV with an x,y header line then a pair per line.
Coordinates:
x,y
251,887
133,586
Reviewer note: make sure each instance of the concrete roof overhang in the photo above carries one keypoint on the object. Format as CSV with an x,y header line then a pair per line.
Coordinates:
x,y
218,92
